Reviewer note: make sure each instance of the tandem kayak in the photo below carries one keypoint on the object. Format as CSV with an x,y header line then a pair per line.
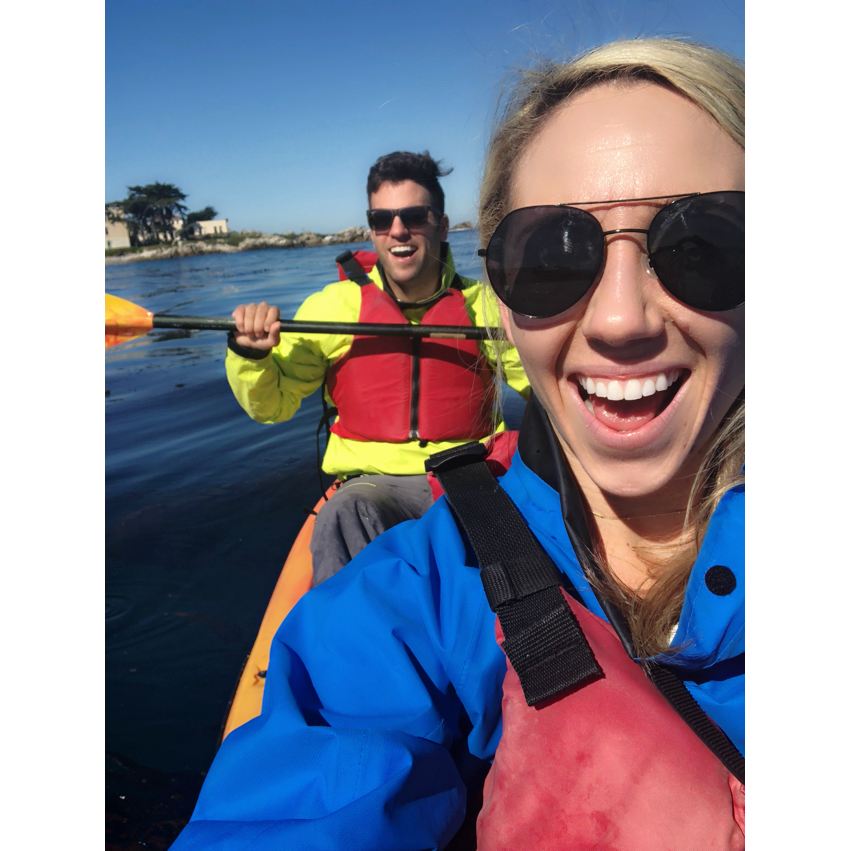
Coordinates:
x,y
295,580
297,574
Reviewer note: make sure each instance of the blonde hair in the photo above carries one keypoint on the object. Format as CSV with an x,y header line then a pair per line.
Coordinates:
x,y
714,81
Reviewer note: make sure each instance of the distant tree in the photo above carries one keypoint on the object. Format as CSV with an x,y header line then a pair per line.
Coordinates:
x,y
205,215
149,211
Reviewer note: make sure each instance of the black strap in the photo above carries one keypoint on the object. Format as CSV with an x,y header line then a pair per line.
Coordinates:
x,y
354,271
541,452
674,691
545,646
328,413
543,640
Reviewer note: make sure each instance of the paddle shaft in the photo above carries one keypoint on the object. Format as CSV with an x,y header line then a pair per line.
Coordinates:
x,y
370,329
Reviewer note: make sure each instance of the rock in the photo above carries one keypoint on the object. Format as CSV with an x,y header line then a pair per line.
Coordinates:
x,y
253,240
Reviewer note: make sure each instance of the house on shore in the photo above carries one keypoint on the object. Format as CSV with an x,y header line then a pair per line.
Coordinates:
x,y
117,235
210,228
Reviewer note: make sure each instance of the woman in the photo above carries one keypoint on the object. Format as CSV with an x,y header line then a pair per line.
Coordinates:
x,y
613,214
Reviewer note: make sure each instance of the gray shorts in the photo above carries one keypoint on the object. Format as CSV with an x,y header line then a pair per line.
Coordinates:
x,y
360,511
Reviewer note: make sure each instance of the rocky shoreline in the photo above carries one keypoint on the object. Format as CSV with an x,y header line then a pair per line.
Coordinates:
x,y
248,241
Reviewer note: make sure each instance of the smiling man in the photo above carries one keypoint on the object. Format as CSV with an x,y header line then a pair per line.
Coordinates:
x,y
397,399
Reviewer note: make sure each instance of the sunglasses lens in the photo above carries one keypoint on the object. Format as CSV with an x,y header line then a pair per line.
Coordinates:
x,y
414,217
542,260
379,220
697,249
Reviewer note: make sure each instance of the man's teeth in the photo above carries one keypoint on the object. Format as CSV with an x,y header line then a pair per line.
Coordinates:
x,y
402,250
633,388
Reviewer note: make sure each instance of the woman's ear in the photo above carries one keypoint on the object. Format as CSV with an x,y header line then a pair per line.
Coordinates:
x,y
505,316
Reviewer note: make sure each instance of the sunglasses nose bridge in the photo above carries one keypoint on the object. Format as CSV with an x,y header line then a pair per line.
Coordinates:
x,y
621,310
397,225
625,230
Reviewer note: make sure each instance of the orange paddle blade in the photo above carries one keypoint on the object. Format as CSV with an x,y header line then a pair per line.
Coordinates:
x,y
125,320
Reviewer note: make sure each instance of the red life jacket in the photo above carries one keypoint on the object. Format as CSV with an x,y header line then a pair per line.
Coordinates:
x,y
394,389
609,765
600,761
363,260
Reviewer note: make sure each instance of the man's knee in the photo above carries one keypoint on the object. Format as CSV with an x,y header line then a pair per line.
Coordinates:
x,y
351,506
357,514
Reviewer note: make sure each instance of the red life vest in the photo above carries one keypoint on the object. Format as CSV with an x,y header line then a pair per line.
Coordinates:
x,y
364,259
394,389
608,765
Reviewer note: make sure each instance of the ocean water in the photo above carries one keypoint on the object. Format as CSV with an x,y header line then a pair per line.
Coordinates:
x,y
202,505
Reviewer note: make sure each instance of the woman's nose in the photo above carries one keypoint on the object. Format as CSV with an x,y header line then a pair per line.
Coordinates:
x,y
623,308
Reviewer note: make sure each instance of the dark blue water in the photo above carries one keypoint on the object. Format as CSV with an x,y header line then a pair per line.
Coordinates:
x,y
202,505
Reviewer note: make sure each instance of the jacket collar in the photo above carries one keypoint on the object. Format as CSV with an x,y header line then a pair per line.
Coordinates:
x,y
718,632
447,279
541,453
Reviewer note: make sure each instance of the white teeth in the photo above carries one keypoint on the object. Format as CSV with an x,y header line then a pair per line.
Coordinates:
x,y
401,250
590,405
631,389
615,391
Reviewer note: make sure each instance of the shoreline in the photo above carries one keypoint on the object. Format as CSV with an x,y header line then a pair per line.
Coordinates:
x,y
253,242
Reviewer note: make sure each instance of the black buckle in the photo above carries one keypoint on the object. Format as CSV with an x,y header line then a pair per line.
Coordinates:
x,y
457,456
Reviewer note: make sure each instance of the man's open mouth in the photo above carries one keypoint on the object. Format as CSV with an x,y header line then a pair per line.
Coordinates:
x,y
403,250
629,404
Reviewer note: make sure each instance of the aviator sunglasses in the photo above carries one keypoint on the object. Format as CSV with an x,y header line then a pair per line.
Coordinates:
x,y
543,260
412,217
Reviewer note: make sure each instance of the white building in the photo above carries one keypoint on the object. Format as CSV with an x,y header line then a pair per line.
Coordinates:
x,y
214,226
117,235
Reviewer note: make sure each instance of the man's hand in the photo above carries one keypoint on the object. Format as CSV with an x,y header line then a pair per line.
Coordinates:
x,y
257,326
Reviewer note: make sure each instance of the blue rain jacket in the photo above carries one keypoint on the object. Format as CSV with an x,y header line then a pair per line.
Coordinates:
x,y
383,696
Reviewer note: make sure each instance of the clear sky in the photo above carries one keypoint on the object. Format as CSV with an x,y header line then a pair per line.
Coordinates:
x,y
273,112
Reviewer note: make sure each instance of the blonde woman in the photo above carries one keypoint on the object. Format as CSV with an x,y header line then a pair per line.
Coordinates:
x,y
569,675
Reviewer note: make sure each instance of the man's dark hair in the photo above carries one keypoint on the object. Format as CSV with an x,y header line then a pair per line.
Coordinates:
x,y
403,165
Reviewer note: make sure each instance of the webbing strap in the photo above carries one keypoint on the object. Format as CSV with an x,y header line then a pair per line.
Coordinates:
x,y
543,639
514,567
674,691
354,271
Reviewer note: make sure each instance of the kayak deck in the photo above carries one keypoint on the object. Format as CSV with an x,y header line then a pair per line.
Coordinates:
x,y
295,580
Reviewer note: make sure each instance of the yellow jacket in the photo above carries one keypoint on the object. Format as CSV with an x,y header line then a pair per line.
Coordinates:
x,y
270,390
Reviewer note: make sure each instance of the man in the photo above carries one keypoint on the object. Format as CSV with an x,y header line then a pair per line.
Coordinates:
x,y
398,400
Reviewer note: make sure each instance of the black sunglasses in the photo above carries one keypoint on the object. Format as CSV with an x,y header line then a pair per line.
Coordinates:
x,y
412,217
543,260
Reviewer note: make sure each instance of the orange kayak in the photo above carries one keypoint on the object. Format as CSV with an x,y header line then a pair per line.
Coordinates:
x,y
294,581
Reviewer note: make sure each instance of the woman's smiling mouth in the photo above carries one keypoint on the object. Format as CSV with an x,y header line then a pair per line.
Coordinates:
x,y
627,405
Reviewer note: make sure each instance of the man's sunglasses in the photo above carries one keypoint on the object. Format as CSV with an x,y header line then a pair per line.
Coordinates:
x,y
543,260
412,217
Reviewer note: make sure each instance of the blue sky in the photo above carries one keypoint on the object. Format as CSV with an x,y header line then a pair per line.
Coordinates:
x,y
273,112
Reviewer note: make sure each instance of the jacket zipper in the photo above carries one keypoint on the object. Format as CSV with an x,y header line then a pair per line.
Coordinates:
x,y
414,433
